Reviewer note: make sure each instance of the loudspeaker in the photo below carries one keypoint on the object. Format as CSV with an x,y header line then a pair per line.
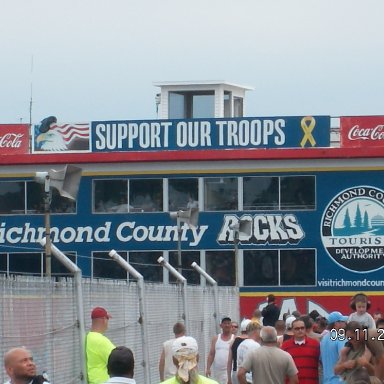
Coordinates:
x,y
191,217
243,227
66,181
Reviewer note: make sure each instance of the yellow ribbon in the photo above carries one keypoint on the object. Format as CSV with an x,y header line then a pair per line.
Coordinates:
x,y
308,125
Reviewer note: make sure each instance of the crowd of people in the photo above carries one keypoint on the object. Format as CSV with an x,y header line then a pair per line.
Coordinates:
x,y
272,348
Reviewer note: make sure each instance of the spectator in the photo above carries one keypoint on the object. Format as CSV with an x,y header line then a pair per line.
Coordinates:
x,y
271,312
120,366
331,345
288,328
234,327
355,354
219,351
268,364
98,347
250,344
305,353
309,324
20,367
185,357
360,304
167,368
232,355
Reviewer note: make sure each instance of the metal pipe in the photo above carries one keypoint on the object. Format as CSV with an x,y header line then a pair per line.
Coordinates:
x,y
142,310
73,268
213,282
182,280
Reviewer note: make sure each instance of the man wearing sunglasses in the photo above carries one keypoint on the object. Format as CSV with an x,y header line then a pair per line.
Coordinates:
x,y
305,352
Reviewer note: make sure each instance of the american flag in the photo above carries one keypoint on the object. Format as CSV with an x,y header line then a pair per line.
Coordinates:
x,y
71,132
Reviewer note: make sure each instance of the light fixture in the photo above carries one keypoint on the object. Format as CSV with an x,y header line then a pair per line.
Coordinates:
x,y
66,182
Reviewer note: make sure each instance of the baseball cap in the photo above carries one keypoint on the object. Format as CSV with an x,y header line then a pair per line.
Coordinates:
x,y
184,342
226,318
100,312
336,316
244,324
288,321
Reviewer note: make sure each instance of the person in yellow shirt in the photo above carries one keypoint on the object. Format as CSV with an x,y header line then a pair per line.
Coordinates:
x,y
98,347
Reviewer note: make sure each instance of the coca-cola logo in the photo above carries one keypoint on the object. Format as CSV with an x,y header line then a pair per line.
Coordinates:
x,y
357,133
11,140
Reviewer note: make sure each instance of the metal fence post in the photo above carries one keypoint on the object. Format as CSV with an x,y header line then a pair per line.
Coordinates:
x,y
73,268
142,309
181,279
213,282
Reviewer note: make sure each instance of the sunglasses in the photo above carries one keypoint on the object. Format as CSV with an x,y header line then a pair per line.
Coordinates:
x,y
299,328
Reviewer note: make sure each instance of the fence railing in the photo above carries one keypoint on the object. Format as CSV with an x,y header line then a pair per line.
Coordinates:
x,y
42,315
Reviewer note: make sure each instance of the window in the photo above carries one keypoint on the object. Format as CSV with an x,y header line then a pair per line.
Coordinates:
x,y
238,109
227,104
297,192
110,196
221,266
26,263
106,268
146,195
12,197
146,263
261,267
187,105
221,194
58,269
261,193
297,267
187,258
183,194
36,203
3,262
280,267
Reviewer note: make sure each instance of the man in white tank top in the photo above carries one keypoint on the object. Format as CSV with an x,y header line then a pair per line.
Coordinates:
x,y
167,368
218,354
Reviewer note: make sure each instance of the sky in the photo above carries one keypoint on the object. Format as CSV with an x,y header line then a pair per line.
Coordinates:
x,y
86,60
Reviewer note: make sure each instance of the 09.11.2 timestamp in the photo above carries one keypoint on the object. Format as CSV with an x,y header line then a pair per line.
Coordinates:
x,y
357,334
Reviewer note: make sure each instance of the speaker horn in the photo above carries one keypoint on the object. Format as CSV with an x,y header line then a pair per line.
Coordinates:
x,y
66,181
245,227
242,227
191,216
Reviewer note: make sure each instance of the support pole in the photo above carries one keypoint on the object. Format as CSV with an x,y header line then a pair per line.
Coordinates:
x,y
142,310
47,223
73,268
213,282
179,261
182,280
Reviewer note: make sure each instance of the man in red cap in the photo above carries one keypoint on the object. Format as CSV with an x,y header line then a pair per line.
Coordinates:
x,y
98,347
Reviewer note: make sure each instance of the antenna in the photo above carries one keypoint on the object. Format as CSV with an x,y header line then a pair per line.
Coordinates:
x,y
31,95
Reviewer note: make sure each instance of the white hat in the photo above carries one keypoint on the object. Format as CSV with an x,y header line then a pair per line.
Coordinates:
x,y
288,321
184,342
244,324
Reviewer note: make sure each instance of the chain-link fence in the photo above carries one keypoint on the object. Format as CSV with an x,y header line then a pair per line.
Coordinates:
x,y
41,314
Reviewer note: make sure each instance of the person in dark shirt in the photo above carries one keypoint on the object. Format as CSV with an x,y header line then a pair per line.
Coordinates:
x,y
271,312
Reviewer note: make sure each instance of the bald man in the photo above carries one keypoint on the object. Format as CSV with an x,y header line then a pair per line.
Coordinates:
x,y
20,367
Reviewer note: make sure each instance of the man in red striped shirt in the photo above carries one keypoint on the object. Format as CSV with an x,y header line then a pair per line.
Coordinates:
x,y
305,353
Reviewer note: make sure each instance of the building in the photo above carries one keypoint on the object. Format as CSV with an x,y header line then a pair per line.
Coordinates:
x,y
306,191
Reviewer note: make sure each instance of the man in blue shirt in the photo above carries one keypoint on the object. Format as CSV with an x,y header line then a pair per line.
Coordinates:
x,y
331,344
